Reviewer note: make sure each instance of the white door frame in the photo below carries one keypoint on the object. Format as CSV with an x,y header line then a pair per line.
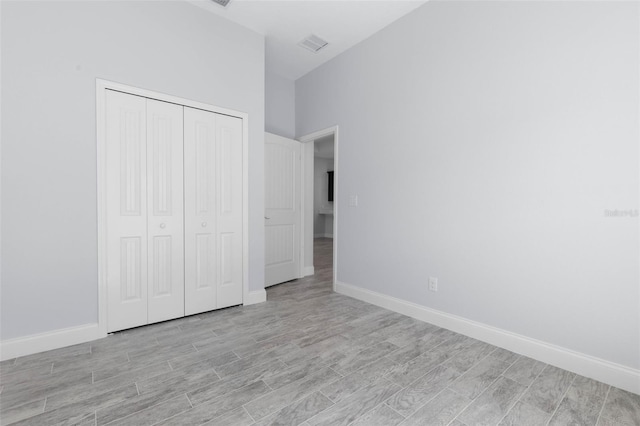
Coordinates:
x,y
101,87
307,173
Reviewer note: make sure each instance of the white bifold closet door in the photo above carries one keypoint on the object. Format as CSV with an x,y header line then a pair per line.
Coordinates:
x,y
145,224
213,210
174,210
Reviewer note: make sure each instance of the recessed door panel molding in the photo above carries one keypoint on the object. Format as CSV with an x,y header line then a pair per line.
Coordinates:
x,y
131,269
282,209
165,218
280,244
126,210
172,207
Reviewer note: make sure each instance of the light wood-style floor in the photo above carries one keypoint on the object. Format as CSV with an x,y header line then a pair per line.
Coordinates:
x,y
307,356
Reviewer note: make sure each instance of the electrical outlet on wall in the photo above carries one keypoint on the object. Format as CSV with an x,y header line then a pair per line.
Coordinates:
x,y
433,284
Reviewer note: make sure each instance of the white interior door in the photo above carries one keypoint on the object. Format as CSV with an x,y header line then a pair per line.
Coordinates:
x,y
126,205
282,209
165,231
213,210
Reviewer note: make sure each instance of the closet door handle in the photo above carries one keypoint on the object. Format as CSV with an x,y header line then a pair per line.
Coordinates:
x,y
204,224
267,218
163,225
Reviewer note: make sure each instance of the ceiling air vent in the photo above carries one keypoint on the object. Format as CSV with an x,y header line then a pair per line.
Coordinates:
x,y
222,3
313,43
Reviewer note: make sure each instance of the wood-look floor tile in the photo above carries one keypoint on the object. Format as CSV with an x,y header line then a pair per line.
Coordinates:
x,y
356,405
349,363
21,412
235,417
281,397
420,346
29,375
212,409
525,415
132,405
405,374
422,390
479,377
156,413
524,370
80,412
439,411
621,408
505,356
371,373
382,415
223,387
256,358
128,372
294,373
185,379
472,354
581,404
297,412
213,357
492,405
547,390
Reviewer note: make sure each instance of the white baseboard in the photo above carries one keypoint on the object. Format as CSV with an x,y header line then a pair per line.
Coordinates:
x,y
28,345
255,296
308,270
599,369
22,346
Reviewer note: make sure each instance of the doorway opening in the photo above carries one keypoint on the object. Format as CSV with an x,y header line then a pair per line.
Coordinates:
x,y
320,204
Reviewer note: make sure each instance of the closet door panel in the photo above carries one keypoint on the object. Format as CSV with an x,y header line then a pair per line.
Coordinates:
x,y
229,177
165,228
126,208
201,240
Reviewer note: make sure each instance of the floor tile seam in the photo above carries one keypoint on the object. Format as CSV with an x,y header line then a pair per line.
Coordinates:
x,y
468,369
606,397
188,399
472,400
146,408
240,373
404,418
282,408
524,392
510,364
564,394
423,404
219,397
124,373
441,364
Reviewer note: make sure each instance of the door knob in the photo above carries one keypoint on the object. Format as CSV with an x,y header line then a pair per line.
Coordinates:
x,y
163,225
267,217
204,224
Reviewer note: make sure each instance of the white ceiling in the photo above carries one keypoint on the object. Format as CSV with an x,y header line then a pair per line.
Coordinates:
x,y
284,23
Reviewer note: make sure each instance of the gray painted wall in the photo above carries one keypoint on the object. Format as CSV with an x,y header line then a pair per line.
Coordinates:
x,y
485,140
280,109
52,52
